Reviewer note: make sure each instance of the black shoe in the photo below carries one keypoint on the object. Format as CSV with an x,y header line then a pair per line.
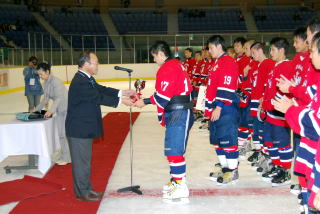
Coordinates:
x,y
300,196
259,169
283,177
254,157
90,197
295,189
267,176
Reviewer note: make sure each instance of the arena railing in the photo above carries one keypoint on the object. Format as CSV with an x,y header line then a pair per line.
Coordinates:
x,y
118,49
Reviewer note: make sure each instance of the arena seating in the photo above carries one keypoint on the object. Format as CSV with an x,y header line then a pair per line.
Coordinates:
x,y
77,22
210,20
23,22
128,21
2,44
281,19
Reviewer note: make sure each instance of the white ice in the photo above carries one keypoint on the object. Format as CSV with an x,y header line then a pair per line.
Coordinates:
x,y
151,171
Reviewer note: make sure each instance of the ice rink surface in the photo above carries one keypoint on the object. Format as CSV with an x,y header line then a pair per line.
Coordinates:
x,y
250,195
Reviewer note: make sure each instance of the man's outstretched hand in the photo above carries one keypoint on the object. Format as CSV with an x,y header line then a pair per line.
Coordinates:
x,y
126,101
129,93
139,103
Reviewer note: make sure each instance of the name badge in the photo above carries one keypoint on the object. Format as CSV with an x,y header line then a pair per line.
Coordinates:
x,y
32,81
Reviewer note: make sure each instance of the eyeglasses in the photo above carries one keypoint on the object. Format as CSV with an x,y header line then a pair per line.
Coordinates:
x,y
34,62
95,63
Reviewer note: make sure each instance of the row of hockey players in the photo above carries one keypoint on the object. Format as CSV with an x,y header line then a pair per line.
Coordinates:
x,y
252,96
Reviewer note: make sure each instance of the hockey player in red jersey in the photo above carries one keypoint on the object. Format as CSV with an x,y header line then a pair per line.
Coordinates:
x,y
206,64
196,75
173,100
241,59
276,130
222,109
305,120
303,94
307,73
245,126
258,79
205,67
301,63
231,52
189,61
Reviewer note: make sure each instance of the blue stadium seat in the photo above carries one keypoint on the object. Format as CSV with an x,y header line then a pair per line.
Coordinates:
x,y
80,21
10,15
210,20
128,21
281,19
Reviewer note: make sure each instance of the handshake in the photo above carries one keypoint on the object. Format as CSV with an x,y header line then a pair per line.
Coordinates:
x,y
133,98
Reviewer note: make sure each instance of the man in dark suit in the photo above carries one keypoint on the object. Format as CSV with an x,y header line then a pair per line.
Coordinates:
x,y
84,122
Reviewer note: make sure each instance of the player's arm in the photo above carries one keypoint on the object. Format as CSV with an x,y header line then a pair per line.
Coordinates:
x,y
210,94
301,93
304,121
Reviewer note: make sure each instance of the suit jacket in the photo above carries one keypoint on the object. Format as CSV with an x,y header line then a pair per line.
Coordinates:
x,y
84,118
54,89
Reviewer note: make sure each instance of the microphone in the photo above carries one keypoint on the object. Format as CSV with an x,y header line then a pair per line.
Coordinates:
x,y
123,69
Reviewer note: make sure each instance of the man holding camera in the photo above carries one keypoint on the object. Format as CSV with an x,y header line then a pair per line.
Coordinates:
x,y
33,88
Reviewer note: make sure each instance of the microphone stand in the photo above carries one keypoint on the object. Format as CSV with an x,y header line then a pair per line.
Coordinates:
x,y
131,188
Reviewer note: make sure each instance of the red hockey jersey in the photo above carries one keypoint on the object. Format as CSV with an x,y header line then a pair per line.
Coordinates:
x,y
242,61
245,84
189,65
205,71
280,68
259,78
223,79
196,77
300,63
172,79
306,75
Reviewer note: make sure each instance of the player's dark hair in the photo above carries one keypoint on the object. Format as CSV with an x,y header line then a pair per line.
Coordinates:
x,y
44,66
257,45
161,46
314,24
280,42
300,33
217,40
197,52
242,40
33,58
189,49
316,41
84,57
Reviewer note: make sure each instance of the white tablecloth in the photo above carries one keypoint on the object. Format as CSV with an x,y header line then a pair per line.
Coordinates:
x,y
35,138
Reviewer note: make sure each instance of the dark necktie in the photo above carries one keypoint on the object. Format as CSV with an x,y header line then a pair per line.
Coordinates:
x,y
92,81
